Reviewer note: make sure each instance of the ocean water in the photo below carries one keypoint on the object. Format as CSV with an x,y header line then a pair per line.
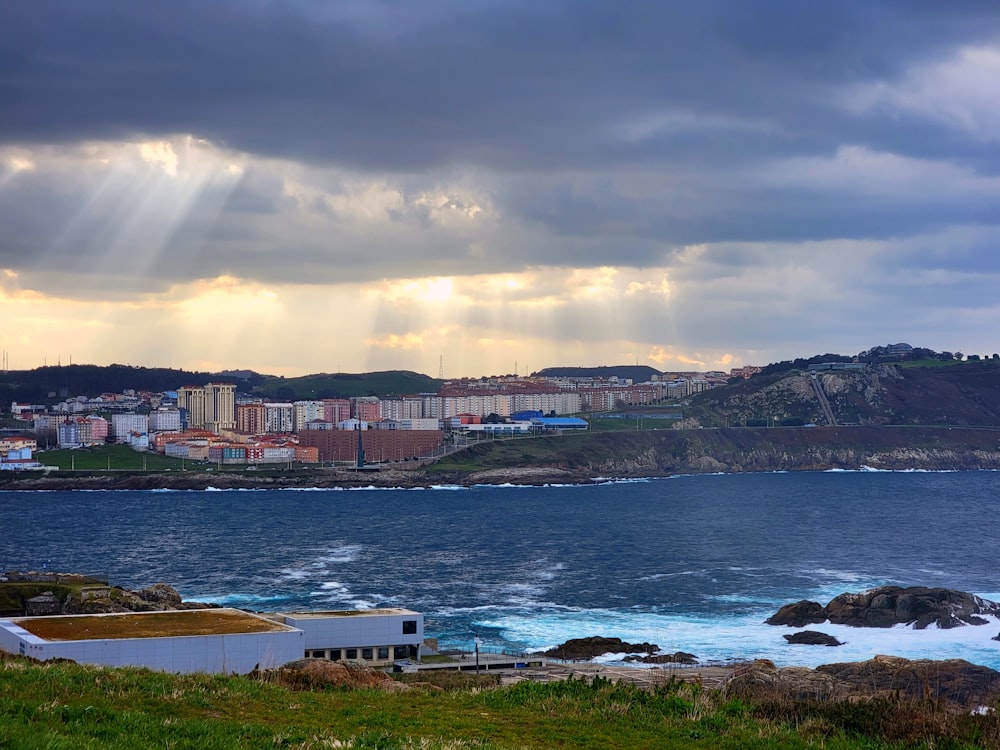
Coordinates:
x,y
692,563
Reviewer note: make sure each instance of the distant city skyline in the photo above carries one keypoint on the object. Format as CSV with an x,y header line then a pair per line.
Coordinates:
x,y
480,186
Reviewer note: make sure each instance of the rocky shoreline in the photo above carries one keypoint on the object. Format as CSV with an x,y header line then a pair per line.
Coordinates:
x,y
596,457
888,606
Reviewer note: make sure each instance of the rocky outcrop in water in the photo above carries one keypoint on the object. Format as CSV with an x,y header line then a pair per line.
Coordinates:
x,y
678,657
954,682
886,606
799,614
812,638
587,648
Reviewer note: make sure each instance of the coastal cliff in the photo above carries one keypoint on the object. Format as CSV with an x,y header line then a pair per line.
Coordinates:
x,y
734,450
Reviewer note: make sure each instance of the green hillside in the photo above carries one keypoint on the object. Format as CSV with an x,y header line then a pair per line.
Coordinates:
x,y
345,385
64,705
929,392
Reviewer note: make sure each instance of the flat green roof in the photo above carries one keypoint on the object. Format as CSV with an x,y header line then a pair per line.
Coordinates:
x,y
351,613
170,623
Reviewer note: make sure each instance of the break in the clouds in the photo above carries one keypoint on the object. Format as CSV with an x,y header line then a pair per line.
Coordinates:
x,y
310,186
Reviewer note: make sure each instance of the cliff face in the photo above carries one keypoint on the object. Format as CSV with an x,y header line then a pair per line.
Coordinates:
x,y
962,394
807,449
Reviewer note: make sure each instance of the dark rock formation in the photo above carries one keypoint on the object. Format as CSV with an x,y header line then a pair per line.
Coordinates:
x,y
953,682
161,593
887,606
812,638
588,648
74,594
678,657
799,615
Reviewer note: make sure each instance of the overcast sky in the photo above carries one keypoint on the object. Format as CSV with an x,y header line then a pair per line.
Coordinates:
x,y
484,185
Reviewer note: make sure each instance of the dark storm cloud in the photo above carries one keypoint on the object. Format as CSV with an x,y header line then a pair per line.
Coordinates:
x,y
589,133
515,86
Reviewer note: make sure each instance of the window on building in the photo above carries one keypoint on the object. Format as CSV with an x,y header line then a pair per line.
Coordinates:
x,y
409,627
400,652
352,653
318,654
366,653
334,654
383,652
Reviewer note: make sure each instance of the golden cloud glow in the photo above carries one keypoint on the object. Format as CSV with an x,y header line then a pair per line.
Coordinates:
x,y
160,153
648,287
394,341
20,164
593,282
434,290
479,325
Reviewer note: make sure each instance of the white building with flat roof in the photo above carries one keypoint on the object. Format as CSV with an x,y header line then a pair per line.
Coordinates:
x,y
125,426
373,636
215,641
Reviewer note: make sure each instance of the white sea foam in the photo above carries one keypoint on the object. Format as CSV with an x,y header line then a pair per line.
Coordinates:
x,y
295,574
628,480
235,599
745,637
847,576
659,576
346,553
361,604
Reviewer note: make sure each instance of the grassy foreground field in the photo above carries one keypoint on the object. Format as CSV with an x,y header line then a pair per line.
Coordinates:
x,y
69,706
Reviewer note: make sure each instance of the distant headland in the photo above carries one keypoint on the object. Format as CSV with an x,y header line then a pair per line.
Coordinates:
x,y
596,456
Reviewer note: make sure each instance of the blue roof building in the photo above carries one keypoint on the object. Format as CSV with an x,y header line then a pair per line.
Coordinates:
x,y
560,423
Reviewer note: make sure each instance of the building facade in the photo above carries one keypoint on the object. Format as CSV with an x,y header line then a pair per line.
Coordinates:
x,y
211,407
279,417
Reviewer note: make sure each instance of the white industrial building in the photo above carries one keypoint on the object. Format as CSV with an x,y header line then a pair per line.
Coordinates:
x,y
373,636
220,641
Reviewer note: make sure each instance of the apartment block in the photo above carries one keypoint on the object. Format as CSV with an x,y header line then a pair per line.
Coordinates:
x,y
212,406
123,426
251,418
366,408
336,410
165,420
305,412
279,417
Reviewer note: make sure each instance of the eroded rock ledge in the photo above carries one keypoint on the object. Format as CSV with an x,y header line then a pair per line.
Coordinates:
x,y
886,606
582,649
955,682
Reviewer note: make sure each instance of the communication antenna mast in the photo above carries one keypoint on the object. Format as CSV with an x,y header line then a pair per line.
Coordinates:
x,y
441,366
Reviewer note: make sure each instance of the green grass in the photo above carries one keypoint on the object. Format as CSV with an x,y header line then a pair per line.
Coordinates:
x,y
597,424
69,706
122,458
913,363
117,457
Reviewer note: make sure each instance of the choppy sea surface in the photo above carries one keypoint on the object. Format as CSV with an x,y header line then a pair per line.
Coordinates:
x,y
692,563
